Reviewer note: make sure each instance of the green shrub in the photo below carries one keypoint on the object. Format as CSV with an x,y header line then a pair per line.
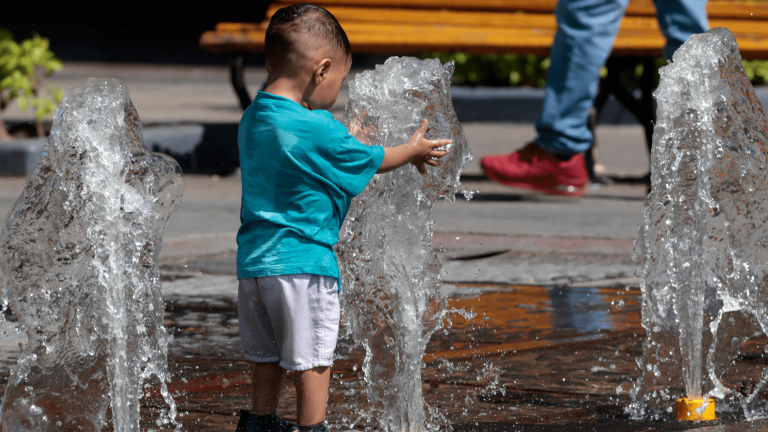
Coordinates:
x,y
531,70
21,67
497,69
757,71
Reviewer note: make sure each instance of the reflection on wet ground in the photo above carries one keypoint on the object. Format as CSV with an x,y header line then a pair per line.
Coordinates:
x,y
526,358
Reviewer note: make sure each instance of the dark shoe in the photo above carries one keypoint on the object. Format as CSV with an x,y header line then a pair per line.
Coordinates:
x,y
320,427
286,426
266,423
534,168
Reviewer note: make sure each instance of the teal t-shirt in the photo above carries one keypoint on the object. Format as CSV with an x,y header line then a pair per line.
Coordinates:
x,y
300,170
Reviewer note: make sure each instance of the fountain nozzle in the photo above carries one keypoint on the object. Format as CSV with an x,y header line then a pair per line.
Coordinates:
x,y
691,409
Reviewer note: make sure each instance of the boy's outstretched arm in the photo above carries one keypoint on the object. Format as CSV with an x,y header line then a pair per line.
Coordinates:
x,y
417,151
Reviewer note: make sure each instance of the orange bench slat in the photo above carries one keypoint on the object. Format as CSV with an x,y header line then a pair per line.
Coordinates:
x,y
408,31
420,17
738,9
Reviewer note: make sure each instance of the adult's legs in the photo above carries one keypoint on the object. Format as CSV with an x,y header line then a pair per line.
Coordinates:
x,y
679,19
554,163
586,31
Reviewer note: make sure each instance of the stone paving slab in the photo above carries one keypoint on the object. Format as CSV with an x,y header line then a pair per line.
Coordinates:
x,y
541,268
536,260
454,243
613,212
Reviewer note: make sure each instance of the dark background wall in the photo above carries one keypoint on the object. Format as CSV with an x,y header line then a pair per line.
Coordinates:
x,y
143,32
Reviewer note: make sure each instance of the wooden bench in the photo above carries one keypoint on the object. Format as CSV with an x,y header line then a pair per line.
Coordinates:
x,y
406,27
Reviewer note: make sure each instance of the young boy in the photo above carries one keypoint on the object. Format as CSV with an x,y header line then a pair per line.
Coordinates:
x,y
300,170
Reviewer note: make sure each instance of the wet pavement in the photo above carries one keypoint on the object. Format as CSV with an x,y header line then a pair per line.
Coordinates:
x,y
528,358
556,333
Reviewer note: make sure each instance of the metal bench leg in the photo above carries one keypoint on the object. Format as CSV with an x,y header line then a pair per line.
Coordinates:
x,y
594,116
237,77
641,108
647,84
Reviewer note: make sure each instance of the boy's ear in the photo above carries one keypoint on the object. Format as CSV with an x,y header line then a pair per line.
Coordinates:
x,y
322,70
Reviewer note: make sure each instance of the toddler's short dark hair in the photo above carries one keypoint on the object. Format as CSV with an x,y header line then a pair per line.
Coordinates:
x,y
292,27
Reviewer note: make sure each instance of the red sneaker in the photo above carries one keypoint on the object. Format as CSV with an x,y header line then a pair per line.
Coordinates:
x,y
534,168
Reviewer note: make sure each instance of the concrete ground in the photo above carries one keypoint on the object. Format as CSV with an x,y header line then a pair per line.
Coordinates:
x,y
548,273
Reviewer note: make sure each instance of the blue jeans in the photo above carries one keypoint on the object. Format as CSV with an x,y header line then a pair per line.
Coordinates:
x,y
586,32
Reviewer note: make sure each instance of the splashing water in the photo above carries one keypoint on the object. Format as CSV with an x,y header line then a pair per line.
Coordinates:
x,y
80,252
704,240
390,274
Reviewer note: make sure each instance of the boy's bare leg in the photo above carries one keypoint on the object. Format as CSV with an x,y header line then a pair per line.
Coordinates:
x,y
267,384
312,395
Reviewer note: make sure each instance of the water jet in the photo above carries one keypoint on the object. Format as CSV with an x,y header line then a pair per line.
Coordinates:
x,y
390,274
703,245
80,252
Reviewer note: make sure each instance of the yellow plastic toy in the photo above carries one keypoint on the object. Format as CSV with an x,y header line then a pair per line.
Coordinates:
x,y
685,409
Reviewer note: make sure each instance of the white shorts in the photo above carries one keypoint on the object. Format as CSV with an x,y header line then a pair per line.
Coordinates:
x,y
291,319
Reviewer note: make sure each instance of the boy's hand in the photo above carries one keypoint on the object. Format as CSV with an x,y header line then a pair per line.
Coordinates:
x,y
425,152
417,151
